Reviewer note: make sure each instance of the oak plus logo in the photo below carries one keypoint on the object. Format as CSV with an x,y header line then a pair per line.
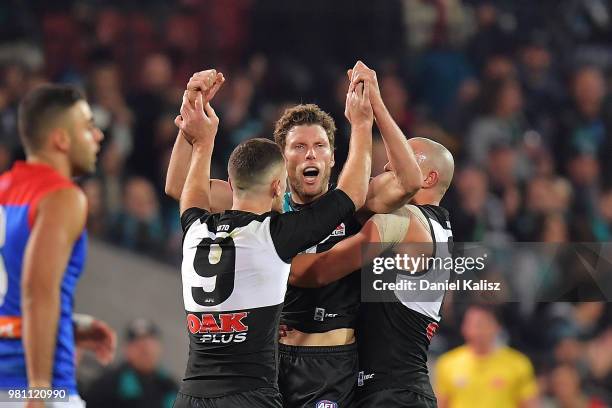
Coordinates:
x,y
326,404
222,329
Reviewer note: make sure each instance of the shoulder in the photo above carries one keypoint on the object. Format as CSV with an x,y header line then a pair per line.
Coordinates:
x,y
513,356
452,356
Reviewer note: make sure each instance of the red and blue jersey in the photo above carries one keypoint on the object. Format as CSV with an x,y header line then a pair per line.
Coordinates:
x,y
21,189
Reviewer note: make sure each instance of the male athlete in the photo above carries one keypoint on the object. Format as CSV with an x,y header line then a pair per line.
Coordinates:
x,y
43,245
319,356
393,337
236,263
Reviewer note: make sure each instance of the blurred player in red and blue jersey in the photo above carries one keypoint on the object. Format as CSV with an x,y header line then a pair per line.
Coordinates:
x,y
43,246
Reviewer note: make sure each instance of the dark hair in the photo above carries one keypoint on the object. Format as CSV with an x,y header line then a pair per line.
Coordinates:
x,y
250,160
40,107
489,308
309,114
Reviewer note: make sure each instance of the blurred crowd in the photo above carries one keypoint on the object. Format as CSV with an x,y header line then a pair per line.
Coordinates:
x,y
518,90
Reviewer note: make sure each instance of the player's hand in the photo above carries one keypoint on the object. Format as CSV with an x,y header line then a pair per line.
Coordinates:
x,y
199,123
99,338
207,82
361,73
358,109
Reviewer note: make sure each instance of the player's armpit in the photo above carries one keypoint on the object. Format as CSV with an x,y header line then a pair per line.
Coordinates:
x,y
385,194
60,219
316,270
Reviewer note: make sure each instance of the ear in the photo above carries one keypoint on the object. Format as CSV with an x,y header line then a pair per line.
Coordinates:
x,y
229,181
276,188
60,139
431,179
333,160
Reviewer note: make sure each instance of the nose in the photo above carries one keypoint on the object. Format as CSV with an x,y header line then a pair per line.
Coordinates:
x,y
310,154
387,167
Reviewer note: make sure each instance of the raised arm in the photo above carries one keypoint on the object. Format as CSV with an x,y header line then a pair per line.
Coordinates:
x,y
60,215
201,128
356,171
393,188
208,83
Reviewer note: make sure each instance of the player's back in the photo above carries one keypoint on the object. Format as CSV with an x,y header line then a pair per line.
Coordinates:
x,y
234,272
21,190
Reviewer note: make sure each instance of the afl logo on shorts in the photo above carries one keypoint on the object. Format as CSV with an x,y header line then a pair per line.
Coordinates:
x,y
326,404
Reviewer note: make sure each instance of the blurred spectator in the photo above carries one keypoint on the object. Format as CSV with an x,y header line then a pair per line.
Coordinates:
x,y
501,121
138,382
586,126
478,215
138,226
566,390
435,22
490,37
484,373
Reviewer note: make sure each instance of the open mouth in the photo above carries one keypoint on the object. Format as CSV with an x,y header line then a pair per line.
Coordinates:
x,y
310,174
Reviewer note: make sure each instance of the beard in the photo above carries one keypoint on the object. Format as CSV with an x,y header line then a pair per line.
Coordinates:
x,y
313,192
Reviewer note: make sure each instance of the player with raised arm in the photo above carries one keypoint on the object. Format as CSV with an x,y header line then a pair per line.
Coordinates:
x,y
322,342
393,337
43,246
236,263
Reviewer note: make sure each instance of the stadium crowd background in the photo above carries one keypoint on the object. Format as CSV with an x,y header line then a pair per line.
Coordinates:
x,y
518,90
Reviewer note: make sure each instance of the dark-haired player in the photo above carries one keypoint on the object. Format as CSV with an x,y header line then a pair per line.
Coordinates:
x,y
236,263
43,245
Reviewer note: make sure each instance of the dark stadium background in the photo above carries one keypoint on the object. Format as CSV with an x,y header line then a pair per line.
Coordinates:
x,y
518,90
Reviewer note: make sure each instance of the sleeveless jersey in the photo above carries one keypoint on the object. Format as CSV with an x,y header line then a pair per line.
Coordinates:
x,y
335,306
393,337
234,272
21,189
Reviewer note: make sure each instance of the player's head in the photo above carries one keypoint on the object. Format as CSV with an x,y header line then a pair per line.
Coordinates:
x,y
437,168
56,120
256,168
480,327
306,136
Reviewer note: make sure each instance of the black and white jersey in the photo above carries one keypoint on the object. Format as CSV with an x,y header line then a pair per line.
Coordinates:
x,y
334,306
393,337
234,271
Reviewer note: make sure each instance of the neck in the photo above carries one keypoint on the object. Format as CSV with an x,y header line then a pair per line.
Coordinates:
x,y
424,197
482,349
252,204
58,163
300,199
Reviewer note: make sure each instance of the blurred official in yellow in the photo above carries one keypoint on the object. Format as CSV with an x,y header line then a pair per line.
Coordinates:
x,y
483,373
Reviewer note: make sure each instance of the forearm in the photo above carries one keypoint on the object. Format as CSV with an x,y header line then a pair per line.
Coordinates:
x,y
400,154
40,304
196,191
178,167
356,172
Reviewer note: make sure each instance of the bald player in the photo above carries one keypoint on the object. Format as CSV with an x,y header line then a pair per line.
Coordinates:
x,y
393,336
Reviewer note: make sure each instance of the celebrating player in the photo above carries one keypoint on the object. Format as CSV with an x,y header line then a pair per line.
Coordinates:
x,y
236,264
393,337
43,245
318,356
